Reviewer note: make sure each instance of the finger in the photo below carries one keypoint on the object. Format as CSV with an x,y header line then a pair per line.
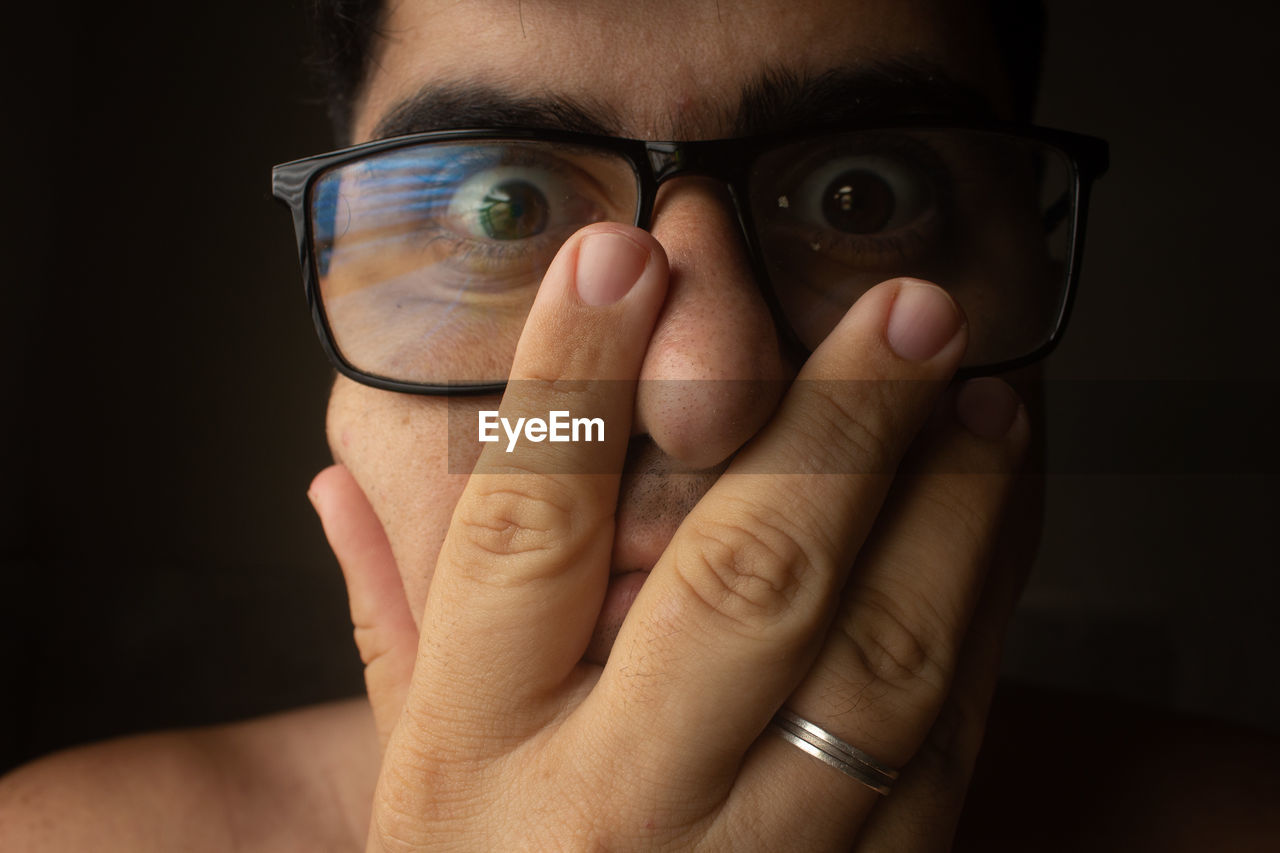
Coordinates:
x,y
734,610
925,807
385,632
889,658
523,570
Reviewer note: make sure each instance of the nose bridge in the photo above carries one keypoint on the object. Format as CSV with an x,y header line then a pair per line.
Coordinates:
x,y
716,346
717,161
724,161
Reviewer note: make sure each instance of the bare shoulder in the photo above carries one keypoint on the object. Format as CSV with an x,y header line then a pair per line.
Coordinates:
x,y
301,780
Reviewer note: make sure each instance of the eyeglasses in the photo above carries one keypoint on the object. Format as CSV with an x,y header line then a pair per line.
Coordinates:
x,y
421,254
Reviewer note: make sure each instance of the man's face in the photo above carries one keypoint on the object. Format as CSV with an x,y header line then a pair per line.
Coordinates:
x,y
653,70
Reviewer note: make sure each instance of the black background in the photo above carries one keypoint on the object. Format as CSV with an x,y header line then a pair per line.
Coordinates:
x,y
164,394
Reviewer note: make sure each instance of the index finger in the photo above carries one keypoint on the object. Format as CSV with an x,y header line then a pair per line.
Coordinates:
x,y
524,567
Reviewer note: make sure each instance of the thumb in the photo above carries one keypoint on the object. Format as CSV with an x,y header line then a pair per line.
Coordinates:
x,y
385,632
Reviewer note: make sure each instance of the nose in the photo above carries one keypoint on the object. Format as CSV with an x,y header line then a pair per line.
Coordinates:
x,y
715,368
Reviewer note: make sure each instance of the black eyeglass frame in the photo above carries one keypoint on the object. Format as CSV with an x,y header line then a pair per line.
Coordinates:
x,y
655,162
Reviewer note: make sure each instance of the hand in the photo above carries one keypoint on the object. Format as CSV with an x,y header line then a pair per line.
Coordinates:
x,y
846,596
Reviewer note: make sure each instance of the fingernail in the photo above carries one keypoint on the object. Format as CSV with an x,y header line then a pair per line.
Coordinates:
x,y
608,265
987,406
922,322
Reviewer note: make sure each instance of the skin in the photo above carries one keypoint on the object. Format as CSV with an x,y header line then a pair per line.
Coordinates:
x,y
715,626
505,711
504,575
716,306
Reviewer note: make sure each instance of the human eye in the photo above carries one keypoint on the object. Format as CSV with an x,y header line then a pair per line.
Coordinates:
x,y
504,216
478,218
865,202
502,204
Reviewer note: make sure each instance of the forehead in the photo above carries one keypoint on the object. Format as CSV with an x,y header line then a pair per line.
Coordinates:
x,y
662,69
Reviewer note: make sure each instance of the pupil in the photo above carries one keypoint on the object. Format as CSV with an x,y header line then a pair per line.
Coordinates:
x,y
514,210
858,202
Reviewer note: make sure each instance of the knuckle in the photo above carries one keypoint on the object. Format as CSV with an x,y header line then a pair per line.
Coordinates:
x,y
512,523
370,643
852,433
746,564
903,651
544,386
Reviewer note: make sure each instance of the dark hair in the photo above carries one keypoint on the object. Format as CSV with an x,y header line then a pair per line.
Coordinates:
x,y
345,31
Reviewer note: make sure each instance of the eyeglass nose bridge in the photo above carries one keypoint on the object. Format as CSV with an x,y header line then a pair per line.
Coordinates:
x,y
724,161
713,159
719,160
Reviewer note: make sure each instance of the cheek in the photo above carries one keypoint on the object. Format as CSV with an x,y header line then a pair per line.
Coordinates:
x,y
397,448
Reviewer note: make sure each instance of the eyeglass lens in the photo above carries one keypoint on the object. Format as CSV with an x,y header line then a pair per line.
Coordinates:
x,y
428,257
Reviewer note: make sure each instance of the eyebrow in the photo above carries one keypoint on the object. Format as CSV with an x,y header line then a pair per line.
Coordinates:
x,y
776,100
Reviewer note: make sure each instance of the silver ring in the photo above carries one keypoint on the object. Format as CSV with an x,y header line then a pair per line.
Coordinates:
x,y
828,748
